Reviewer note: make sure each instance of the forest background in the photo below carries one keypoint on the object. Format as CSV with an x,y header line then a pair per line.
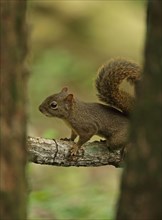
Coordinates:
x,y
68,41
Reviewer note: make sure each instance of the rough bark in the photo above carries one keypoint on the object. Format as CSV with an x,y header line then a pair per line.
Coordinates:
x,y
141,189
57,153
13,115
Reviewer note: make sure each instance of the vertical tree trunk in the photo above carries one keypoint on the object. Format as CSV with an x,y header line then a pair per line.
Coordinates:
x,y
13,115
141,189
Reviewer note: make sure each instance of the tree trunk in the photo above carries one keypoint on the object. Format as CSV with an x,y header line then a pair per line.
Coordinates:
x,y
13,115
141,190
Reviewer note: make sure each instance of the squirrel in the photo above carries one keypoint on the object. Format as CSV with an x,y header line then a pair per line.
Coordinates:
x,y
110,120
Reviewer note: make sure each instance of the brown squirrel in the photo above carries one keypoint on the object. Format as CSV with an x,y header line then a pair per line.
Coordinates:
x,y
110,121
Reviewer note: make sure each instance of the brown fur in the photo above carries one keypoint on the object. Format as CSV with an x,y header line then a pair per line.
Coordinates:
x,y
88,119
109,79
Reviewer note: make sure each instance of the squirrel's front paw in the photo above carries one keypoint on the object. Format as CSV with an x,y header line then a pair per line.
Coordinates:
x,y
74,150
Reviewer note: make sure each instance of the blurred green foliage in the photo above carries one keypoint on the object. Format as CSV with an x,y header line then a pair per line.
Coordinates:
x,y
69,40
73,193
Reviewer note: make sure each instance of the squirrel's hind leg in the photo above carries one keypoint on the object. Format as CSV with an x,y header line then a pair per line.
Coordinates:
x,y
119,141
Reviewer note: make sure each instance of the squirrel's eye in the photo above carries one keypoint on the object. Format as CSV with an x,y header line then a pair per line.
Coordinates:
x,y
53,105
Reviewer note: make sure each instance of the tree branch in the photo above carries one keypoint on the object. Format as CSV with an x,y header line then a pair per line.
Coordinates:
x,y
56,153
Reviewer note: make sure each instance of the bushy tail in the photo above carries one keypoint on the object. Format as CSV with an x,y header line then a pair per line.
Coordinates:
x,y
109,79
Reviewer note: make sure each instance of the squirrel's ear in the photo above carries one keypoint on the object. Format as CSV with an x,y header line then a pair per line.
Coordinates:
x,y
69,101
69,98
65,89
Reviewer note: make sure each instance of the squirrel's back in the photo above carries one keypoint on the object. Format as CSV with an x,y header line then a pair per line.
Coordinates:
x,y
109,79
